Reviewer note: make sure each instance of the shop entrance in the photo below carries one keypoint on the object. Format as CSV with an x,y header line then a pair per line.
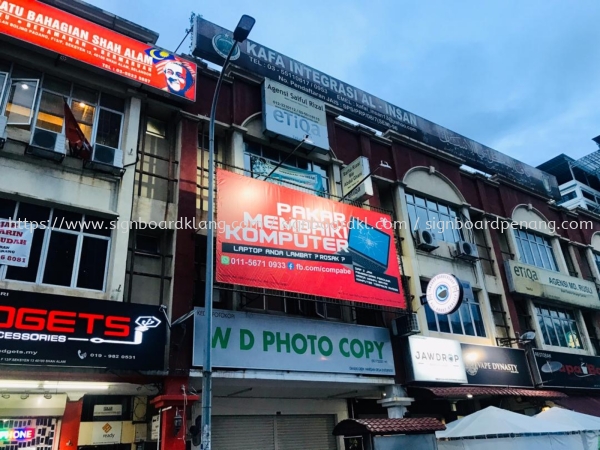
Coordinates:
x,y
273,432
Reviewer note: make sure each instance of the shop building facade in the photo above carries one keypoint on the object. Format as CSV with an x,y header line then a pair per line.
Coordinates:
x,y
88,128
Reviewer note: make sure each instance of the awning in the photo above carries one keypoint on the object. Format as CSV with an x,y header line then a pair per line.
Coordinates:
x,y
416,425
584,405
462,392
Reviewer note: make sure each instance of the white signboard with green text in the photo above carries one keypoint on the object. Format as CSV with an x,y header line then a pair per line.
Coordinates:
x,y
259,341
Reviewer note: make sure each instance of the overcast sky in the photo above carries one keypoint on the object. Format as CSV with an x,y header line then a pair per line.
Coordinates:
x,y
522,77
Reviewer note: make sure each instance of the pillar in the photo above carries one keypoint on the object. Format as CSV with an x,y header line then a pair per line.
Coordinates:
x,y
69,430
169,403
396,401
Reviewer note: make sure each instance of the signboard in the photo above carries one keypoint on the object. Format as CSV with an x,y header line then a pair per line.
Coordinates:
x,y
292,177
212,42
536,282
108,410
433,359
444,293
106,433
54,330
557,369
17,434
155,428
496,366
15,243
293,114
259,341
274,237
71,36
357,185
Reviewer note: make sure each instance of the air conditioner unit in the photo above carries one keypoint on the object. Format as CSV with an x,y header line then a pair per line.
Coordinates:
x,y
47,144
3,121
406,325
467,251
426,240
106,159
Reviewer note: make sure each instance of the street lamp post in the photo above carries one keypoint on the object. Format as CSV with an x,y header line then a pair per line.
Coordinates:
x,y
239,35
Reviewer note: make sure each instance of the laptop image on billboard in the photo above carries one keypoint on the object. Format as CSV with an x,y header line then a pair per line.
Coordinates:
x,y
368,246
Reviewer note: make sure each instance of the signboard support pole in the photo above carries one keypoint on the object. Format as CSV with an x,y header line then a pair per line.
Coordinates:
x,y
208,293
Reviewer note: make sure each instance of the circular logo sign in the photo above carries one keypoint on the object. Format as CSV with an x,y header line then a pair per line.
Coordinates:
x,y
222,44
444,293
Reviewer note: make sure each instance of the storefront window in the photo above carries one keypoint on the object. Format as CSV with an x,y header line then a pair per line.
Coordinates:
x,y
466,321
535,249
559,327
68,249
428,214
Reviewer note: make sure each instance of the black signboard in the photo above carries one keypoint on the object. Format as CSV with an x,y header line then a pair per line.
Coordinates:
x,y
555,369
496,366
53,330
212,43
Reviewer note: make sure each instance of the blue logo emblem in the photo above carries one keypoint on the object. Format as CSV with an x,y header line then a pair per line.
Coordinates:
x,y
290,266
222,44
442,293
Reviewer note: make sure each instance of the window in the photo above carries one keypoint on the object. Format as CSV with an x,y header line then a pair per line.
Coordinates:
x,y
99,115
596,259
466,321
69,249
21,98
568,196
500,322
296,173
428,214
565,248
591,319
559,327
535,249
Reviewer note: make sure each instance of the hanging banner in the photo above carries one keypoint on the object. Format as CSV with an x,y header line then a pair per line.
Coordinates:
x,y
71,36
294,178
15,243
213,42
274,237
259,341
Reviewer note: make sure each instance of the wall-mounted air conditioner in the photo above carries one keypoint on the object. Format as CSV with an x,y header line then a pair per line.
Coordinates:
x,y
47,144
406,325
3,121
466,250
106,159
426,239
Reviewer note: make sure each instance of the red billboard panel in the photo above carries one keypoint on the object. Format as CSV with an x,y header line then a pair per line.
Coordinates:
x,y
82,40
274,237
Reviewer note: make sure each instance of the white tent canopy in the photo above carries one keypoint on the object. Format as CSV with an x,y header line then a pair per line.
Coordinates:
x,y
582,422
493,421
493,428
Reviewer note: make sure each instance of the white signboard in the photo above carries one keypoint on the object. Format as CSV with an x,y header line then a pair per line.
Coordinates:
x,y
258,341
434,359
536,282
352,175
293,114
155,430
106,433
107,410
15,243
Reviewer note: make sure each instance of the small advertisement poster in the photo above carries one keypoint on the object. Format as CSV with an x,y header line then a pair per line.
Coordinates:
x,y
15,243
106,433
274,237
293,114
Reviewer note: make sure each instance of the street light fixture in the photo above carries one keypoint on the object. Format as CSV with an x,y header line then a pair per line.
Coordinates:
x,y
522,339
240,34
